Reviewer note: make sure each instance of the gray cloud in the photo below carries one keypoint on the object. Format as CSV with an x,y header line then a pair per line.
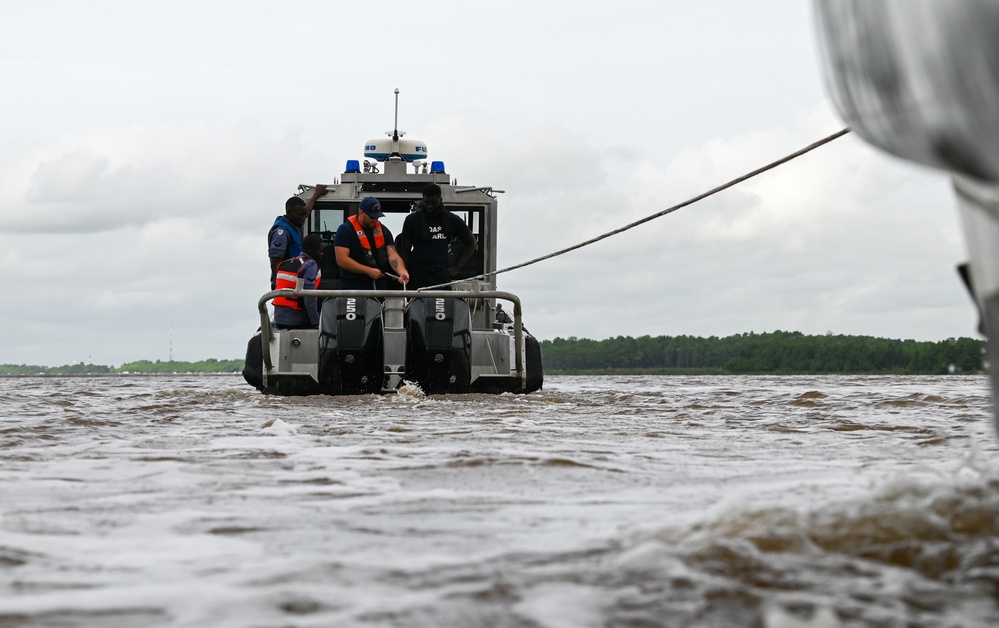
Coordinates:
x,y
136,188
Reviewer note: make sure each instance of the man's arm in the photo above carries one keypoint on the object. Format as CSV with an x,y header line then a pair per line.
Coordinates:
x,y
320,190
466,254
277,248
346,262
398,265
311,303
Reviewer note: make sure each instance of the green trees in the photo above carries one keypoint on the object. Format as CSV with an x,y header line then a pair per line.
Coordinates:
x,y
776,352
210,365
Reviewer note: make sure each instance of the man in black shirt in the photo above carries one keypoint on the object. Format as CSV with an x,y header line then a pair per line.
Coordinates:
x,y
425,238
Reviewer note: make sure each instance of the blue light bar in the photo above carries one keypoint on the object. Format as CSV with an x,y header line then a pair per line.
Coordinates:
x,y
353,165
437,167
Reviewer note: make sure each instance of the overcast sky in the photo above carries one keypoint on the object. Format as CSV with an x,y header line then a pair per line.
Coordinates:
x,y
146,148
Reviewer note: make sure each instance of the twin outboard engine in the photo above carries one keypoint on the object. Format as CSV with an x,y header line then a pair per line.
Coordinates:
x,y
440,342
350,346
368,345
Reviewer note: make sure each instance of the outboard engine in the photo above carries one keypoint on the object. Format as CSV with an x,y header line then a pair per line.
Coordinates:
x,y
350,346
253,366
440,338
534,367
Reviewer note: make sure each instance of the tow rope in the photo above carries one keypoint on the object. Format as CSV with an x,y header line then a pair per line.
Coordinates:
x,y
670,210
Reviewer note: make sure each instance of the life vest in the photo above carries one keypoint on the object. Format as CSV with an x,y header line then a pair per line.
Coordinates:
x,y
294,240
377,258
289,275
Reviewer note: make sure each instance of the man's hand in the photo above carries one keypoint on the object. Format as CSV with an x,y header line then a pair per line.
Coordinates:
x,y
319,190
453,271
374,273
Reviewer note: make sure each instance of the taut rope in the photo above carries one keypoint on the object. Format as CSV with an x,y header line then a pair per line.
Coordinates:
x,y
670,210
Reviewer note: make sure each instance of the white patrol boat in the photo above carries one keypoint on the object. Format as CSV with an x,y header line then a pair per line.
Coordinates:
x,y
371,341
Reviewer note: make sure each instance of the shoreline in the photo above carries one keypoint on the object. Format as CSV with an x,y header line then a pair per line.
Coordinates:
x,y
132,374
573,373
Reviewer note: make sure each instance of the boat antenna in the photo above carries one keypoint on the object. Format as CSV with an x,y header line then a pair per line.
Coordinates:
x,y
395,129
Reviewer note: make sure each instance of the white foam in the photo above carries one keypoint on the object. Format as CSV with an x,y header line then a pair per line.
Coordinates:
x,y
563,606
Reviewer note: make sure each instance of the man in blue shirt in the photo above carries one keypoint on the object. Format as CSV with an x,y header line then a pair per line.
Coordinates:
x,y
299,312
284,240
365,250
426,237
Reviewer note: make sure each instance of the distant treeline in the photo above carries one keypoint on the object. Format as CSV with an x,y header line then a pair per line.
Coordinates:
x,y
777,352
142,366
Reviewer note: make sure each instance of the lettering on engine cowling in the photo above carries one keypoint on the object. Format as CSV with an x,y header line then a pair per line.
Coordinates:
x,y
351,309
439,310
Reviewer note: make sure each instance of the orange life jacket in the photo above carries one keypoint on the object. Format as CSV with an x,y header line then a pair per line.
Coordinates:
x,y
374,258
289,274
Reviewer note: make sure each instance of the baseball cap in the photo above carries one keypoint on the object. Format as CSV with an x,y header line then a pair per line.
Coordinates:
x,y
371,207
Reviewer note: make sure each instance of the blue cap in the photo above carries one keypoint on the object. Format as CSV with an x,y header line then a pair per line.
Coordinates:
x,y
371,207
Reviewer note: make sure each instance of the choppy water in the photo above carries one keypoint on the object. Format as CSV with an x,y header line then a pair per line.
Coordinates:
x,y
600,501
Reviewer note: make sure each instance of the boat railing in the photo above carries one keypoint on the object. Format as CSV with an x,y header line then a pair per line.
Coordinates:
x,y
267,330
